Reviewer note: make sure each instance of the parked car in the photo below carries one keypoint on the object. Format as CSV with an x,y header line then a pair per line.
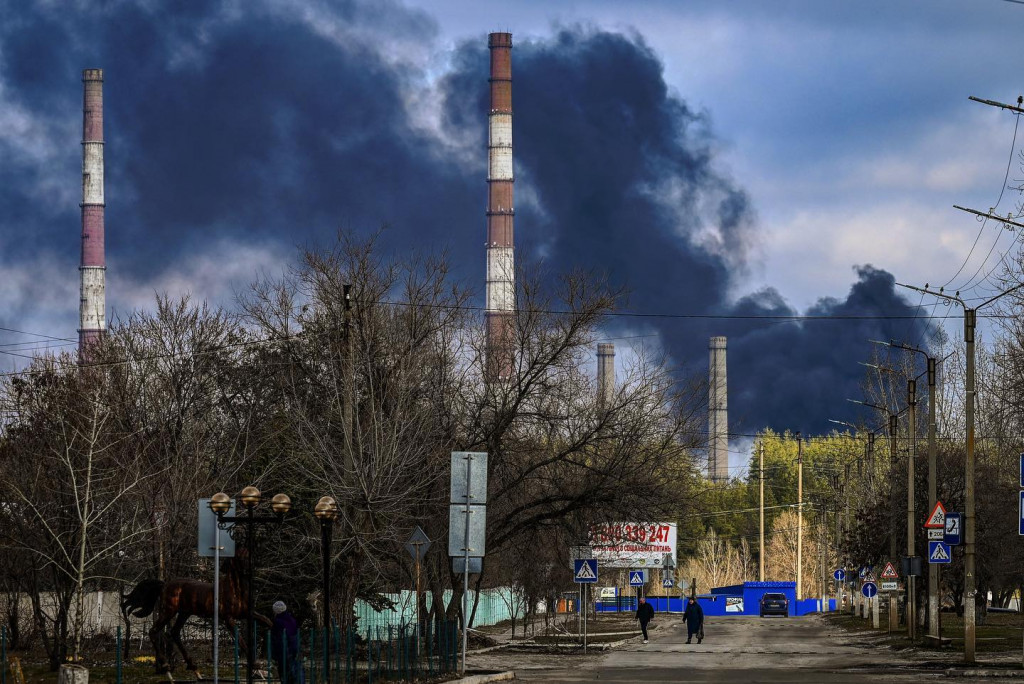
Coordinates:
x,y
774,604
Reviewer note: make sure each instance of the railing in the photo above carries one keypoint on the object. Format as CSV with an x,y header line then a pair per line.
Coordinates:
x,y
395,652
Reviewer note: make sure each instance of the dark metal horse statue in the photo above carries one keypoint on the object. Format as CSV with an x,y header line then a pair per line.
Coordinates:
x,y
180,599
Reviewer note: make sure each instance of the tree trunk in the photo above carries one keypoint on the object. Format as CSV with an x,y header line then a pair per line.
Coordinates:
x,y
73,674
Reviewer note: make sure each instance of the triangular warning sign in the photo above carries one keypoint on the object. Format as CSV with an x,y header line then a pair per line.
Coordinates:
x,y
889,572
586,572
939,553
937,517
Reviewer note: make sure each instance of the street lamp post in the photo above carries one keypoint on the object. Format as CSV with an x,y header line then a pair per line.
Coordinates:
x,y
326,511
250,498
220,503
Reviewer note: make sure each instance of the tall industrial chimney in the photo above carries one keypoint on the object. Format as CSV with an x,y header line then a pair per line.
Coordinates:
x,y
718,413
501,294
92,308
605,374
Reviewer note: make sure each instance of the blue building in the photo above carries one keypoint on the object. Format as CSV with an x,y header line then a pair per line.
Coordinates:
x,y
739,599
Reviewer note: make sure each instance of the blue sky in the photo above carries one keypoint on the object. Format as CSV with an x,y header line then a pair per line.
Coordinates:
x,y
718,158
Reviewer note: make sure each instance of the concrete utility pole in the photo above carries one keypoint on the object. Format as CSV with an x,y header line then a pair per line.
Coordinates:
x,y
911,458
934,605
871,461
970,581
893,426
970,577
760,462
799,516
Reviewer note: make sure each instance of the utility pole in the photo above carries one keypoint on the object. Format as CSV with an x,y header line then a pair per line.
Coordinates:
x,y
911,458
970,578
933,497
800,516
893,425
822,532
970,586
760,463
871,461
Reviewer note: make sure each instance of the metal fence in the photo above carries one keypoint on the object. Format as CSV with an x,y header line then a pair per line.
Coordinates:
x,y
493,606
395,652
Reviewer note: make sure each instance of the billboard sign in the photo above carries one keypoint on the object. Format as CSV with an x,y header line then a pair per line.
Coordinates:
x,y
633,545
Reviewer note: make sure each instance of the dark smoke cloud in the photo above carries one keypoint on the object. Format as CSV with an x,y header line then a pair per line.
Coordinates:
x,y
601,140
254,127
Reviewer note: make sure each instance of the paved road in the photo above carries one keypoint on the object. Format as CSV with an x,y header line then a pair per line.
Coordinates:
x,y
737,649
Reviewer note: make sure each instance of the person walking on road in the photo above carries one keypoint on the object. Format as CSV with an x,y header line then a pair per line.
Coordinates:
x,y
694,619
644,613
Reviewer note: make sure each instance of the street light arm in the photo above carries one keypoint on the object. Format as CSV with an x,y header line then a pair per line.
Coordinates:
x,y
940,293
869,405
989,215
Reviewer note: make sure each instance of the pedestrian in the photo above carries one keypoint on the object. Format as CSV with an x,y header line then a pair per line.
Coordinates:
x,y
284,644
644,613
694,619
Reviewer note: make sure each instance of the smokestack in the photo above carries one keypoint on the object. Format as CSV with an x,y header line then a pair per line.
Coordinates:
x,y
501,294
718,413
92,308
605,374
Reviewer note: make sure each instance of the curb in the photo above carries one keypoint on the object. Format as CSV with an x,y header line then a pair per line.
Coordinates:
x,y
483,678
1004,674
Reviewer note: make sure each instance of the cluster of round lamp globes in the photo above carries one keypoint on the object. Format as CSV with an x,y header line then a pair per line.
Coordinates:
x,y
220,503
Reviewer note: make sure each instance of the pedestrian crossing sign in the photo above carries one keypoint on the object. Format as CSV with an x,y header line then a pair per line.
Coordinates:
x,y
585,570
637,578
938,552
667,583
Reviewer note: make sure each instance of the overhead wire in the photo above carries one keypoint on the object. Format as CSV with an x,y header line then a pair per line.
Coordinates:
x,y
984,221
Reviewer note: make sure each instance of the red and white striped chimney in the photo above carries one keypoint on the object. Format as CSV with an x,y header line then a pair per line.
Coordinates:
x,y
501,293
92,310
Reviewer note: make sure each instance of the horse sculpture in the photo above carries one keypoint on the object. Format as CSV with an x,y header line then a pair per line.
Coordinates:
x,y
180,599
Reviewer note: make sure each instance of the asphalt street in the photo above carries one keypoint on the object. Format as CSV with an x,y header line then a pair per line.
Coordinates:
x,y
736,649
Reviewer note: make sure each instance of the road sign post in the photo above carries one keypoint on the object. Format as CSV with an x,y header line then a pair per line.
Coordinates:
x,y
1022,512
468,498
212,544
417,546
638,578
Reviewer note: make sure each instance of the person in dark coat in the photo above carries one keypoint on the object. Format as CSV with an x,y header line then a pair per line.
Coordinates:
x,y
284,644
694,619
644,613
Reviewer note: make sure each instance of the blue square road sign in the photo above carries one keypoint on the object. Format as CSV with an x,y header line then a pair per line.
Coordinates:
x,y
637,578
585,571
939,552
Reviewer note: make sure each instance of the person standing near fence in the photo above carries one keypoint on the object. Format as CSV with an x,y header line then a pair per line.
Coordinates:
x,y
644,613
284,643
694,619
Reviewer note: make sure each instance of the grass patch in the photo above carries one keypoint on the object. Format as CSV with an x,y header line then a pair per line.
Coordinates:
x,y
1001,632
